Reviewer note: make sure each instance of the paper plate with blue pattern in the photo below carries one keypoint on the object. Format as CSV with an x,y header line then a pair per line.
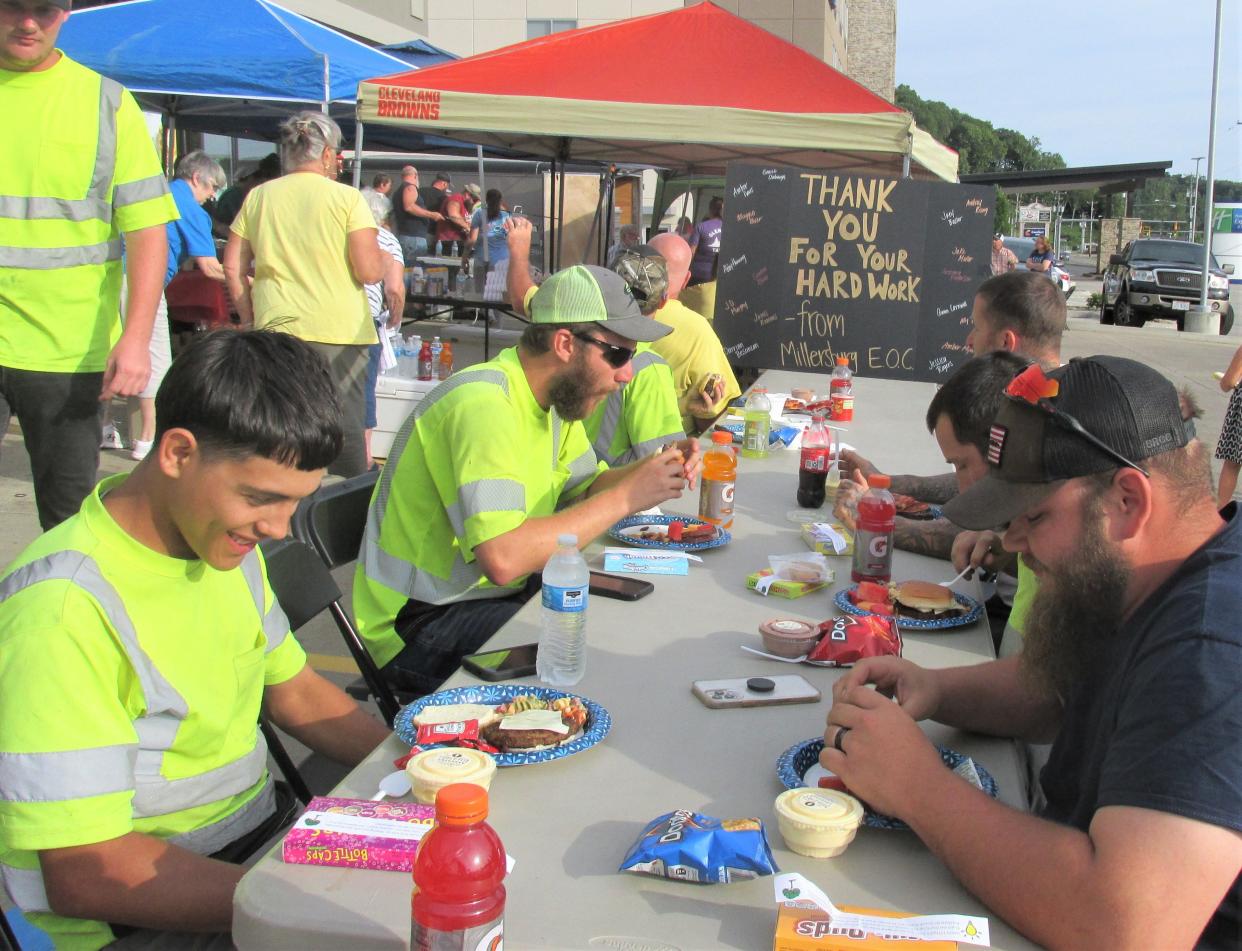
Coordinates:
x,y
599,720
973,613
799,766
627,531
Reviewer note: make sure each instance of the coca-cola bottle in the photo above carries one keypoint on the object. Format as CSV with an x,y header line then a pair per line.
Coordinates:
x,y
814,463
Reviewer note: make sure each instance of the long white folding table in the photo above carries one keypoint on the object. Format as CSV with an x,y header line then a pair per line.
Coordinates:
x,y
568,823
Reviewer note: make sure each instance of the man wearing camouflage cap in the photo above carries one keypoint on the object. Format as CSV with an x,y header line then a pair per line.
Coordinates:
x,y
1130,666
468,509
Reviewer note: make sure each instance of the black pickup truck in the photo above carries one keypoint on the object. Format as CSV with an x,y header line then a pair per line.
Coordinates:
x,y
1157,277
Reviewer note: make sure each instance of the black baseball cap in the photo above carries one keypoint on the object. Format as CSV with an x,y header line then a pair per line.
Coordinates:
x,y
1091,415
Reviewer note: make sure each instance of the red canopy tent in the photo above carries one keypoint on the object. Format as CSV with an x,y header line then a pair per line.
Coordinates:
x,y
689,89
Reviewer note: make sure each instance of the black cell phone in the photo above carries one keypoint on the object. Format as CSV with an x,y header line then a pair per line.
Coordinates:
x,y
505,664
623,589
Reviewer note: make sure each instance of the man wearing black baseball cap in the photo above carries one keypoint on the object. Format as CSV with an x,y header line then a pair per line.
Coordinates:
x,y
1131,666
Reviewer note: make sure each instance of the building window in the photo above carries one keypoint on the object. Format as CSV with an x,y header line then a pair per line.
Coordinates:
x,y
537,28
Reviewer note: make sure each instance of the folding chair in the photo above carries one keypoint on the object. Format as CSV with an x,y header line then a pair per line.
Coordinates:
x,y
333,521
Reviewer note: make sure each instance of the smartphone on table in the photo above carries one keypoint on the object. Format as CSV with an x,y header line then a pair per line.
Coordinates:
x,y
623,589
507,663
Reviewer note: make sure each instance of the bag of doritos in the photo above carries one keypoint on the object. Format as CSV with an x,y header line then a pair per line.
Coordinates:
x,y
849,639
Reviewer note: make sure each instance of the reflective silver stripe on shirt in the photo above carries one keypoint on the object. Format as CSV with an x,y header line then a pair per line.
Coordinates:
x,y
110,94
608,424
214,837
580,470
144,189
396,573
485,495
155,796
67,774
25,887
51,259
61,209
275,622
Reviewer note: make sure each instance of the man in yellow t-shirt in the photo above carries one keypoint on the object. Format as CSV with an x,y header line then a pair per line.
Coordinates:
x,y
138,641
77,172
701,373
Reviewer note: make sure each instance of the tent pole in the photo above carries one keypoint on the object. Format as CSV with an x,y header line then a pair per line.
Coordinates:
x,y
905,159
232,159
685,199
358,134
327,84
560,214
606,235
478,152
550,231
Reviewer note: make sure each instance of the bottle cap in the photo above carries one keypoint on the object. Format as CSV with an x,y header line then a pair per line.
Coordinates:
x,y
722,437
759,389
879,481
818,418
460,804
843,361
567,539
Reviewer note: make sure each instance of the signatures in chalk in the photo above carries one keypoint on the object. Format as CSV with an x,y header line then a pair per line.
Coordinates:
x,y
940,365
978,205
751,217
951,217
951,309
741,349
735,307
955,275
962,256
743,190
728,266
774,174
761,276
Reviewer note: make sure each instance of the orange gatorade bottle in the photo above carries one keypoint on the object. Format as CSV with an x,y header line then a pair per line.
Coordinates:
x,y
717,481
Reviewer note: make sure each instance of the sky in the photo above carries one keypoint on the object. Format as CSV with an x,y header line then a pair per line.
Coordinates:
x,y
1102,82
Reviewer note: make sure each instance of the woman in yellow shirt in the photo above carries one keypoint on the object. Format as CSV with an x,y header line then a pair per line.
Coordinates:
x,y
313,244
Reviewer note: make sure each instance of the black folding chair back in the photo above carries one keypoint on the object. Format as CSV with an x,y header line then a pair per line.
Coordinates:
x,y
8,940
333,522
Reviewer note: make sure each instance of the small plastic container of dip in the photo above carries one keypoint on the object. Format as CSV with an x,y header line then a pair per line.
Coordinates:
x,y
818,823
788,637
431,770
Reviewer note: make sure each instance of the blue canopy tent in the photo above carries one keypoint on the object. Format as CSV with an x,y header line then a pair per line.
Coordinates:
x,y
420,53
234,67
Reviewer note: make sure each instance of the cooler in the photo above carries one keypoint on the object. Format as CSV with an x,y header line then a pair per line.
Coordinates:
x,y
395,399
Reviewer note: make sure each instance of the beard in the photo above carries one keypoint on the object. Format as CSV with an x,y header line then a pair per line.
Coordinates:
x,y
1075,616
571,393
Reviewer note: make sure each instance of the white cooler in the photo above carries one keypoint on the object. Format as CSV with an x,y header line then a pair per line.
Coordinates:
x,y
395,399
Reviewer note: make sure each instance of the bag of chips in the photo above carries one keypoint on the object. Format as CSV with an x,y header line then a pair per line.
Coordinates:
x,y
690,847
849,639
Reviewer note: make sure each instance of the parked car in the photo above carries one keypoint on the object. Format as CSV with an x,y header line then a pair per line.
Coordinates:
x,y
1160,277
1022,248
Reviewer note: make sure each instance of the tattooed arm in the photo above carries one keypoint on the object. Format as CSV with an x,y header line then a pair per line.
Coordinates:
x,y
936,489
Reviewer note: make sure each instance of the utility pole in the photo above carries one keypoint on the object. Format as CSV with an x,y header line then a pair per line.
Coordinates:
x,y
1200,319
1194,196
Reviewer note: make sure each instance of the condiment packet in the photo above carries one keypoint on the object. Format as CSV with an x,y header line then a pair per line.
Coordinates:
x,y
806,920
848,639
448,732
690,847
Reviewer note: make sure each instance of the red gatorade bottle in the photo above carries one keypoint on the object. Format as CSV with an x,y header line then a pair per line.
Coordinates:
x,y
873,541
459,870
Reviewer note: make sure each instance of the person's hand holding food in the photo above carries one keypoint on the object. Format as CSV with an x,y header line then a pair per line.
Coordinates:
x,y
850,491
980,550
702,403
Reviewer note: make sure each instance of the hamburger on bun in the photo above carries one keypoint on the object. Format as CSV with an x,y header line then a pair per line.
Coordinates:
x,y
924,599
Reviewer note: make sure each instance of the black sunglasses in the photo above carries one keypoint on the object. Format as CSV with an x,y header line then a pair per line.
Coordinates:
x,y
616,357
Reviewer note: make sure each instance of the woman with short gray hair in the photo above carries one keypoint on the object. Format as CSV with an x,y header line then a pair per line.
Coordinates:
x,y
312,241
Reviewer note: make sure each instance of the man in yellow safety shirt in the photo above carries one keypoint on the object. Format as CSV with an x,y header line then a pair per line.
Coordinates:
x,y
139,640
77,171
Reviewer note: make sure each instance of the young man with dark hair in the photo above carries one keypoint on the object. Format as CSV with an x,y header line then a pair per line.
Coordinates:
x,y
1131,666
491,467
1018,312
139,641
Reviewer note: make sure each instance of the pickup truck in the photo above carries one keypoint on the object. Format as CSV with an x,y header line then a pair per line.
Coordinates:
x,y
1157,277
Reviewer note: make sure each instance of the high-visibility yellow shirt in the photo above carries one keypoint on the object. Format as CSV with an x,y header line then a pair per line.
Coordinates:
x,y
70,186
298,227
474,460
693,351
639,418
130,686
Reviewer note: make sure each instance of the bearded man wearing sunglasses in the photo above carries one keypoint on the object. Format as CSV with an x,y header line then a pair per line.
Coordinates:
x,y
1131,667
491,467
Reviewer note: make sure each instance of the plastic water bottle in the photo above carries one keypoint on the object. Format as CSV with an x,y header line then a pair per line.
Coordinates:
x,y
459,869
436,349
459,285
757,416
561,659
409,368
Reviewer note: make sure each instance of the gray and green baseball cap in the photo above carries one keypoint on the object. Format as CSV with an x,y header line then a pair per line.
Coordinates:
x,y
586,294
646,273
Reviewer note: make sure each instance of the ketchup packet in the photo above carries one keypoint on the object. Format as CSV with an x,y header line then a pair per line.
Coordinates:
x,y
448,732
690,847
849,639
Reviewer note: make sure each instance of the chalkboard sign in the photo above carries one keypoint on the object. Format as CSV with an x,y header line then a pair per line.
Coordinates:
x,y
817,265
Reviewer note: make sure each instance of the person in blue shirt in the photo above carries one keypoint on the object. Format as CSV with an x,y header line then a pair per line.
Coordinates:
x,y
198,178
1042,258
